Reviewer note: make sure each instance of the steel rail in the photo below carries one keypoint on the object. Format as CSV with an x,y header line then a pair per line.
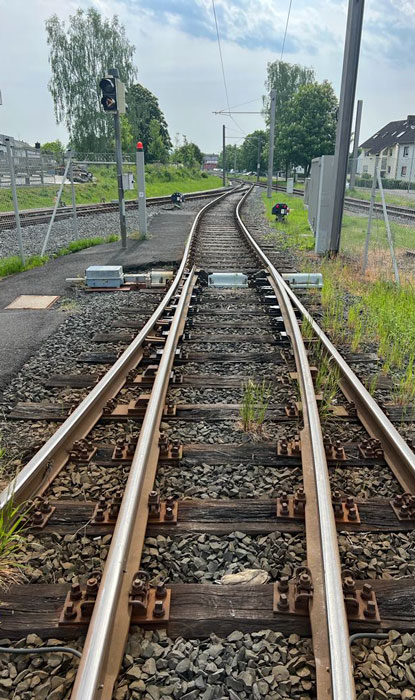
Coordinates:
x,y
331,630
89,680
52,456
36,216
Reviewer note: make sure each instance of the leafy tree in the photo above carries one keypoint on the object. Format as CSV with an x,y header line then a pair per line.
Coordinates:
x,y
143,107
286,79
188,154
80,56
249,151
157,151
308,129
55,148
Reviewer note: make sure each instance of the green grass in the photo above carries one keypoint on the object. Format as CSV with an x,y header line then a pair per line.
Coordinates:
x,y
254,405
295,230
398,200
13,264
12,526
160,180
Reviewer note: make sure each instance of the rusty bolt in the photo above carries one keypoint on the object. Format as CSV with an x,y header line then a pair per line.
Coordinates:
x,y
118,453
138,586
403,510
370,610
175,450
169,515
397,501
37,517
69,611
336,498
284,508
99,515
45,506
367,591
349,502
353,513
158,609
92,586
283,584
305,581
76,592
348,584
161,590
283,603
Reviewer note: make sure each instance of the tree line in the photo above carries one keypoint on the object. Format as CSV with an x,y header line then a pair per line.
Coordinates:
x,y
80,55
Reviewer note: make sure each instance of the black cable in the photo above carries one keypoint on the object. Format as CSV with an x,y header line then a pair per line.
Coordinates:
x,y
285,33
39,650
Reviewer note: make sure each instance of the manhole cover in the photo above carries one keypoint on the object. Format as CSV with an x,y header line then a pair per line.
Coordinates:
x,y
32,301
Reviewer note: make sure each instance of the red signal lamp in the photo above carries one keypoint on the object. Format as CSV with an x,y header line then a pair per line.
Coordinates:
x,y
139,146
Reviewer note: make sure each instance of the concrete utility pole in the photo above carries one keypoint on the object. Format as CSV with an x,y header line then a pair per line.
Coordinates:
x,y
353,166
118,157
258,162
271,142
347,95
141,188
223,156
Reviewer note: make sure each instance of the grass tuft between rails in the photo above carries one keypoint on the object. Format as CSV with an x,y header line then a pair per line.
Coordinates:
x,y
12,527
254,405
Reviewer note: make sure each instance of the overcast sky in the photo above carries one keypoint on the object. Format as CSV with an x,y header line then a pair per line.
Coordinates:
x,y
178,60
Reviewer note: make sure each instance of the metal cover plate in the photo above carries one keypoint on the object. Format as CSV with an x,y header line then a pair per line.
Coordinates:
x,y
32,301
104,272
304,279
228,279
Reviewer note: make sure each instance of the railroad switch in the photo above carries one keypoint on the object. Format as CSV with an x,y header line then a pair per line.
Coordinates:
x,y
404,506
106,513
39,513
156,340
360,602
293,597
371,448
81,452
292,507
162,511
345,509
79,603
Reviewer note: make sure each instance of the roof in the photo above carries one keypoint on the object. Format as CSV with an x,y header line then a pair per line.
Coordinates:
x,y
402,131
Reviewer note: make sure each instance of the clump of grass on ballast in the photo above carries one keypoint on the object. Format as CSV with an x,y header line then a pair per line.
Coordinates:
x,y
82,243
254,405
13,264
12,539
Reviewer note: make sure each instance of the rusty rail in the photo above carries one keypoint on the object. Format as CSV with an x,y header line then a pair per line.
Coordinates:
x,y
334,670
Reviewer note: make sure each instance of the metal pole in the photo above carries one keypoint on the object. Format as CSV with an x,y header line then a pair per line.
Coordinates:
x,y
27,178
388,230
347,94
74,219
369,223
234,159
58,199
353,166
118,158
223,156
141,188
15,202
412,162
42,174
258,162
271,143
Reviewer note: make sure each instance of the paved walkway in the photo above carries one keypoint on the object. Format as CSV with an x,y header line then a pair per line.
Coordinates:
x,y
22,332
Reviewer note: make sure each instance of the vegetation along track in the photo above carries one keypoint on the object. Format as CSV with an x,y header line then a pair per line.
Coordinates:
x,y
210,384
355,204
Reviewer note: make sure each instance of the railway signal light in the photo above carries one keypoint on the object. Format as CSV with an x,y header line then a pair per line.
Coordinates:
x,y
113,94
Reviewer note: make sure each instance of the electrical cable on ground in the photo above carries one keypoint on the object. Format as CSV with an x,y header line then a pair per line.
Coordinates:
x,y
39,650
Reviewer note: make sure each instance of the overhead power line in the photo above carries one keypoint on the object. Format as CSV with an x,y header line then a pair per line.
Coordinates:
x,y
285,33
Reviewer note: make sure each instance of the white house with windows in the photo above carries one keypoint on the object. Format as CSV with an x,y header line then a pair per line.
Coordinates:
x,y
395,144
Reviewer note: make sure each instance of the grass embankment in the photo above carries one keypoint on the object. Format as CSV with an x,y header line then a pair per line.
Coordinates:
x,y
361,309
296,231
159,181
13,264
399,200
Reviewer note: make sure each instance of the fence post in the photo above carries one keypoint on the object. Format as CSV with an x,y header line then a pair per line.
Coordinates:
x,y
369,223
388,231
15,202
58,199
141,187
74,219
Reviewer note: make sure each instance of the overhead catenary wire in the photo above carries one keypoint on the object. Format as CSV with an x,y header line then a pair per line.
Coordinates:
x,y
286,28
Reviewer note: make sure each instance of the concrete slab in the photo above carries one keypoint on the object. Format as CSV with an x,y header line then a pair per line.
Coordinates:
x,y
22,333
33,301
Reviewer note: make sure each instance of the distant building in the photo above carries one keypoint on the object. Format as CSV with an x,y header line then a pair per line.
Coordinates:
x,y
210,161
395,144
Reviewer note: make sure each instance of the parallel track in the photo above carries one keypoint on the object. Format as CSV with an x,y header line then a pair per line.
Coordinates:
x,y
219,240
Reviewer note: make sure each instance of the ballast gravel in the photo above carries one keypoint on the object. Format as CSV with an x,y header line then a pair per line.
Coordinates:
x,y
225,432
378,555
206,558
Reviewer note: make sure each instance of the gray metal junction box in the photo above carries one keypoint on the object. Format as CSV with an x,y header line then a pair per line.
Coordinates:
x,y
320,201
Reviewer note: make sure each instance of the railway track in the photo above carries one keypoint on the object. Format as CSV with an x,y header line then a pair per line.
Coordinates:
x,y
403,213
29,217
181,376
